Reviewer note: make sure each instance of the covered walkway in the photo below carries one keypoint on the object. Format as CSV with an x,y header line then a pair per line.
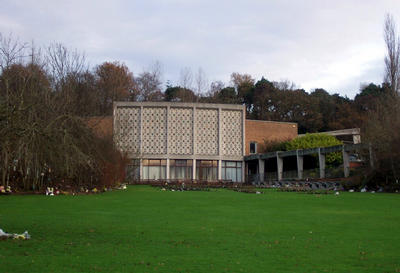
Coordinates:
x,y
271,166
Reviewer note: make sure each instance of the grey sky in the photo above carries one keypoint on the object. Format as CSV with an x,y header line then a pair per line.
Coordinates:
x,y
333,44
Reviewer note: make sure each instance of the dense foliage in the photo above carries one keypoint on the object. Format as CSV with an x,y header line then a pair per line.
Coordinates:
x,y
317,111
315,141
312,141
382,132
305,142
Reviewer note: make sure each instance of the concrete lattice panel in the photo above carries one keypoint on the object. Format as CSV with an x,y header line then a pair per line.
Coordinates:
x,y
154,130
232,132
180,131
207,131
127,134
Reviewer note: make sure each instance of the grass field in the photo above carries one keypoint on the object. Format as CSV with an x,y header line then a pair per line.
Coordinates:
x,y
144,229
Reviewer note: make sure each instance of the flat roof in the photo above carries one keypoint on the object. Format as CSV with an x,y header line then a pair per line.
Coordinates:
x,y
178,104
271,121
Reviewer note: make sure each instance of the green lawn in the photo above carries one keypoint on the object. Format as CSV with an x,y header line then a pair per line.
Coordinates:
x,y
144,229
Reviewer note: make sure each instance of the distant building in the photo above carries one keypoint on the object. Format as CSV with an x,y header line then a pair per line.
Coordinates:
x,y
172,140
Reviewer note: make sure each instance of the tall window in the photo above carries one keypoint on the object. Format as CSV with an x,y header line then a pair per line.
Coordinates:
x,y
207,170
253,147
180,169
154,168
232,170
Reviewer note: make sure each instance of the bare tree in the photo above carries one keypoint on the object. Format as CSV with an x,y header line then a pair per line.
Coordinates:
x,y
186,78
11,50
64,62
392,59
285,85
149,83
42,139
201,82
383,124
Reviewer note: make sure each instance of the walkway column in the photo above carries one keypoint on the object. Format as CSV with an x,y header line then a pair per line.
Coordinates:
x,y
321,158
300,164
346,163
261,170
356,139
279,165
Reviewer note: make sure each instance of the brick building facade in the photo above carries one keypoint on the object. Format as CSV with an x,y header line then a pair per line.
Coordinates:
x,y
257,131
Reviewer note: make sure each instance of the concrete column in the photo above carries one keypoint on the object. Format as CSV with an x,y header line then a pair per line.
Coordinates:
x,y
141,169
243,171
141,132
219,131
300,164
194,169
167,133
321,158
279,164
356,139
219,169
261,170
346,163
167,168
194,144
244,131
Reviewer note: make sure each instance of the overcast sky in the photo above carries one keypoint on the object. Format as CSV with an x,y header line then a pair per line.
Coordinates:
x,y
332,44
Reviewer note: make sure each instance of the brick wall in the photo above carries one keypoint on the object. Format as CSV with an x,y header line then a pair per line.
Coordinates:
x,y
259,130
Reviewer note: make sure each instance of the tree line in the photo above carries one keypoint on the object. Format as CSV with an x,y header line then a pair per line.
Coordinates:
x,y
93,91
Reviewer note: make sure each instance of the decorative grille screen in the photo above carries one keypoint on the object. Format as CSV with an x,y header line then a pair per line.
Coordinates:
x,y
207,131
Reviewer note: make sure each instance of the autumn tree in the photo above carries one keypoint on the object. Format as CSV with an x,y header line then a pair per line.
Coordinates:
x,y
114,82
244,85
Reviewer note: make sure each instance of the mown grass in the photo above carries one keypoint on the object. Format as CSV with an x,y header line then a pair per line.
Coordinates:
x,y
144,229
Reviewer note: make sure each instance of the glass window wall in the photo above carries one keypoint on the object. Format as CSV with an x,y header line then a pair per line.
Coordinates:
x,y
154,169
207,170
180,169
232,170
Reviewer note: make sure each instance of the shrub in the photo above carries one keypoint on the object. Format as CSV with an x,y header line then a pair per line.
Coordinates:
x,y
273,145
314,141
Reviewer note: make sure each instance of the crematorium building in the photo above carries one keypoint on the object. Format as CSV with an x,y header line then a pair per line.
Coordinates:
x,y
198,141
